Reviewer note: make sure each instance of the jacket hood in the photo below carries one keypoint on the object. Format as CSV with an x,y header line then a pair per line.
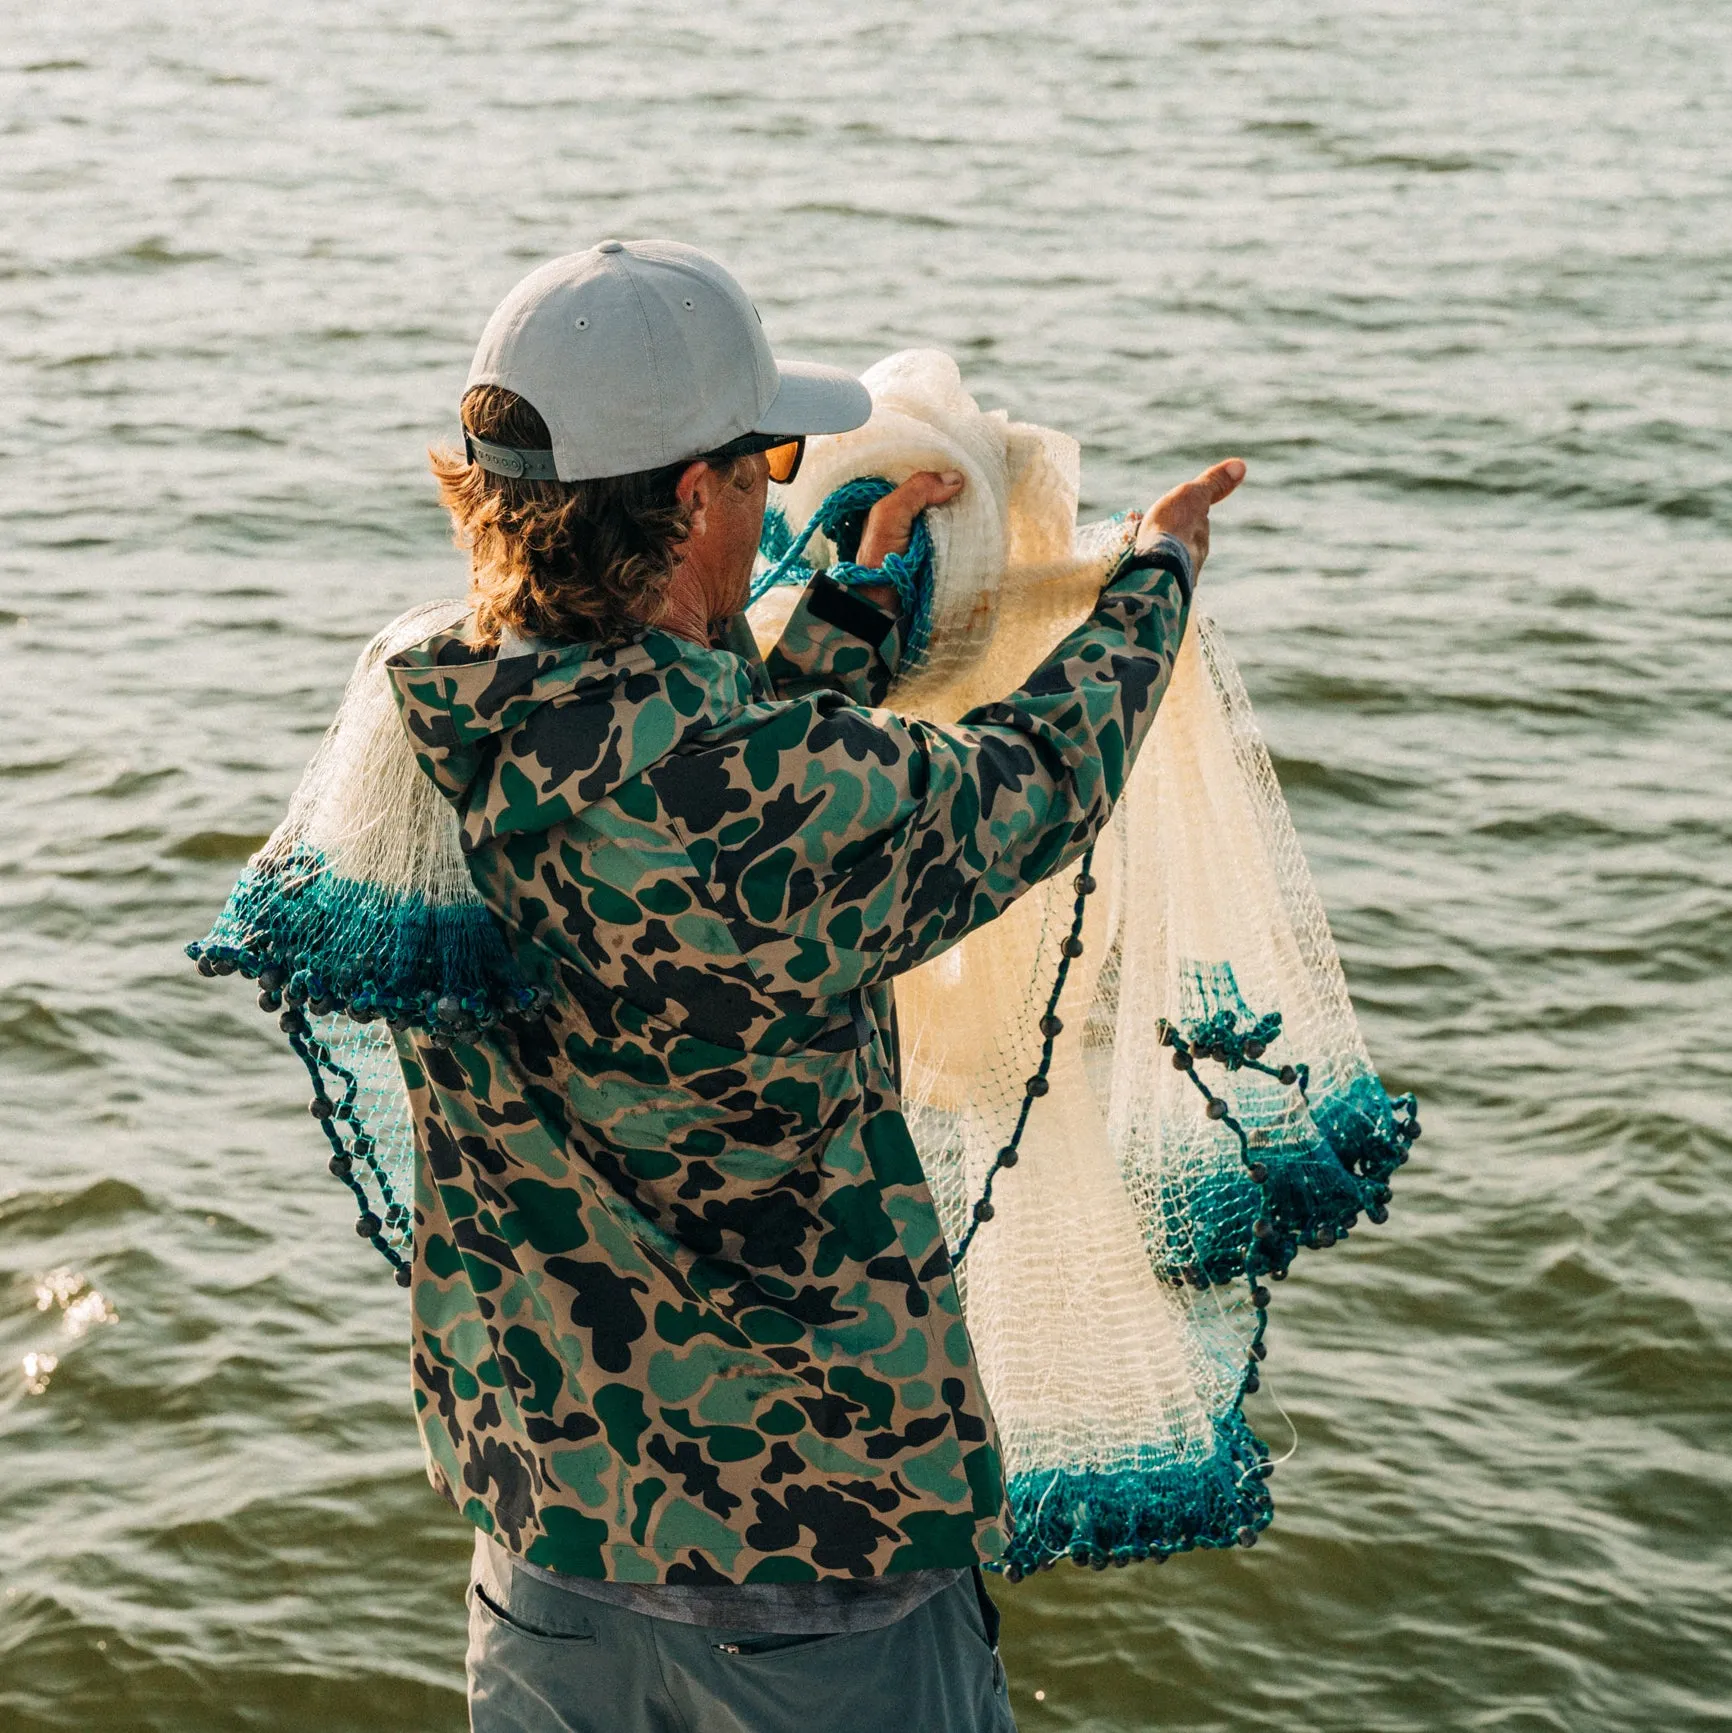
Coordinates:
x,y
519,743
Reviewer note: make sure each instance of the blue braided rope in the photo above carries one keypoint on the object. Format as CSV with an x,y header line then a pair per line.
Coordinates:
x,y
908,573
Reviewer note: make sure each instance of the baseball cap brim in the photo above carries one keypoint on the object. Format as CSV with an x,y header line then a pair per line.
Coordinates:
x,y
815,399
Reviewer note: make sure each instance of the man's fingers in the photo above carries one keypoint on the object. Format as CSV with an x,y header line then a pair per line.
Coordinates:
x,y
891,520
1220,480
1185,511
1210,488
925,488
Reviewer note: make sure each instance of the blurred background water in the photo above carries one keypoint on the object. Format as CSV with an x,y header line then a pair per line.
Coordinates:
x,y
1457,279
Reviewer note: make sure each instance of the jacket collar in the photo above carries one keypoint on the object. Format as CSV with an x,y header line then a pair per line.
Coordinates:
x,y
577,720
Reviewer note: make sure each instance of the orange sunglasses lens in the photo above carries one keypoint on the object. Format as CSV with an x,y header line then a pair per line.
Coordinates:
x,y
784,461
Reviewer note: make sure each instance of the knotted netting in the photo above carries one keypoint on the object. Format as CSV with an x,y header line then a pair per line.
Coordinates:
x,y
358,919
1142,1089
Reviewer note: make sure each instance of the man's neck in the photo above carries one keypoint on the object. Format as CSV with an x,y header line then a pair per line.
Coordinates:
x,y
685,609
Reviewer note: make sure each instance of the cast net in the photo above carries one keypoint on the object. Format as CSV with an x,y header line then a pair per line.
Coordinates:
x,y
358,920
1170,1095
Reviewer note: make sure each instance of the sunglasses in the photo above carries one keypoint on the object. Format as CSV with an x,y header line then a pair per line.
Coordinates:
x,y
784,460
782,455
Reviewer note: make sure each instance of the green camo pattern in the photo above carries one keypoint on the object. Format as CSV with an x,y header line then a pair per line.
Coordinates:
x,y
682,1308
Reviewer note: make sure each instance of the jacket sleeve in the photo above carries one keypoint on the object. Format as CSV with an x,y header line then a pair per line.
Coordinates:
x,y
835,641
844,845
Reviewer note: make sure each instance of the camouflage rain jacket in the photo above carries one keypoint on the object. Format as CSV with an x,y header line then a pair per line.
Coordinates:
x,y
682,1308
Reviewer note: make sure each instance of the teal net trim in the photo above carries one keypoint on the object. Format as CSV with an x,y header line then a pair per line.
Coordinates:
x,y
313,938
1313,1158
841,517
1304,1184
345,965
1307,1164
1150,1508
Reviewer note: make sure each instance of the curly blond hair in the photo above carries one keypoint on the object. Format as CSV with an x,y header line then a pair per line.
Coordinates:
x,y
566,561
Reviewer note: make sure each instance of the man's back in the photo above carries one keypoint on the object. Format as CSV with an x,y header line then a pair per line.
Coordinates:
x,y
683,1308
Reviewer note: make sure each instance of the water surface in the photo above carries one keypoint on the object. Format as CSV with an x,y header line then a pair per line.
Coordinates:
x,y
1456,278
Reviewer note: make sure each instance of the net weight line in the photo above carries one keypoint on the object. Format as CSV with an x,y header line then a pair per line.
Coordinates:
x,y
316,1055
1050,1028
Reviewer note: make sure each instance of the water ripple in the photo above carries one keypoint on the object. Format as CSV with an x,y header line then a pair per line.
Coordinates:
x,y
1455,278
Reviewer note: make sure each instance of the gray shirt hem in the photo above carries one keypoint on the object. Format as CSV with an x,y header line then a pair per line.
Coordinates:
x,y
832,1606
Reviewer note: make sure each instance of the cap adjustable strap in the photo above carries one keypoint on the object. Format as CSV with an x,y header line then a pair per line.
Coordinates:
x,y
509,461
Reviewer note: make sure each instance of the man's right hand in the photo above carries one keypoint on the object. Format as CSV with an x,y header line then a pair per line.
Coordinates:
x,y
890,526
1185,511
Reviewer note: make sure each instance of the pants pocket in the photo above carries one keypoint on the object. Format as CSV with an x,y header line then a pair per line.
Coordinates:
x,y
770,1643
989,1614
579,1630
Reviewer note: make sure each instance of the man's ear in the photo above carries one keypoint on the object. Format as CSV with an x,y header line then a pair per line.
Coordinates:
x,y
695,490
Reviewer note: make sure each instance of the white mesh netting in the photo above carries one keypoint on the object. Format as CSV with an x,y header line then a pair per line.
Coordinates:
x,y
358,918
1184,1143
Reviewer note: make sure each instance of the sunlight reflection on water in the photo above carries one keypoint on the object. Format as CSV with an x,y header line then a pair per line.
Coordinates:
x,y
1453,275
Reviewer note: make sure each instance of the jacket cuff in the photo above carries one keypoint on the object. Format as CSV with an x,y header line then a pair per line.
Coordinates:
x,y
837,641
1167,554
848,612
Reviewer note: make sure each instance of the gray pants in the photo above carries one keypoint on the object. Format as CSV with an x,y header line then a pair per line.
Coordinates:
x,y
545,1660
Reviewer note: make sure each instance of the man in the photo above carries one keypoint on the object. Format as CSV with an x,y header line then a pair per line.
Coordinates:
x,y
687,1349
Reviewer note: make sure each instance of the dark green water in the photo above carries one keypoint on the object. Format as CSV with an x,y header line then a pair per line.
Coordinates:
x,y
1456,278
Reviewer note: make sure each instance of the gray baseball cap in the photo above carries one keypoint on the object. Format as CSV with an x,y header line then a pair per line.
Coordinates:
x,y
639,354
